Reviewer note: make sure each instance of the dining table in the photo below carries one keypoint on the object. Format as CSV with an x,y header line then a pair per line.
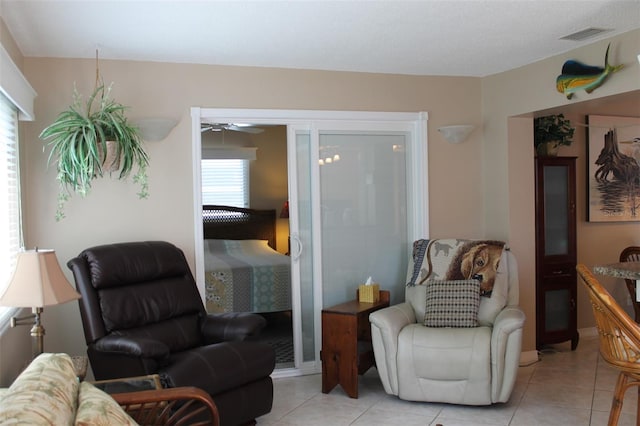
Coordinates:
x,y
626,270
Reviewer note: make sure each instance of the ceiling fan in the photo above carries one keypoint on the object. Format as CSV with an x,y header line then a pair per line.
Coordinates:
x,y
236,127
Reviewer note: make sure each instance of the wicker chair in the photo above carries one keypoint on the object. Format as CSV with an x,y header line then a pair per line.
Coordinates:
x,y
170,407
619,340
632,254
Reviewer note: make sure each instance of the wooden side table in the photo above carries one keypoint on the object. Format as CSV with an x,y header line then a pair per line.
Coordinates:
x,y
346,343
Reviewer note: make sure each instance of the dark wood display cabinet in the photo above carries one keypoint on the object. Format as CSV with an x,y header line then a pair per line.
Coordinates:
x,y
556,281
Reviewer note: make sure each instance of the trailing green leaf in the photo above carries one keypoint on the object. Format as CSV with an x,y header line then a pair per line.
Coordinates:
x,y
78,139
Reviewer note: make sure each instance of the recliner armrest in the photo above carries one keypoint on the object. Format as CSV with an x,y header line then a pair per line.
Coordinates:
x,y
134,346
394,318
511,318
385,327
506,343
231,326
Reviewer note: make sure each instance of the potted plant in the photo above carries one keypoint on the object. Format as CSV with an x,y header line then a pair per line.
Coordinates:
x,y
551,132
90,139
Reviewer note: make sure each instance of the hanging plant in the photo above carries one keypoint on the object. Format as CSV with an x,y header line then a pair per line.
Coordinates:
x,y
91,139
551,132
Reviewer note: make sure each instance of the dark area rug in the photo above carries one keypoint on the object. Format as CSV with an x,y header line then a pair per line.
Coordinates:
x,y
279,334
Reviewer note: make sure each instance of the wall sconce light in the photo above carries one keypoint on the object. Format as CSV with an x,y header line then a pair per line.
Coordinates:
x,y
456,134
155,128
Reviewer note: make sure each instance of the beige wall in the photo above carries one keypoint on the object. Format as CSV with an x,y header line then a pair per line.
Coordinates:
x,y
269,178
508,159
490,196
113,213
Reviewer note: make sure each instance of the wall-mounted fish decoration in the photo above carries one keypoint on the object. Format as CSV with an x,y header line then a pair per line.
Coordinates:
x,y
578,76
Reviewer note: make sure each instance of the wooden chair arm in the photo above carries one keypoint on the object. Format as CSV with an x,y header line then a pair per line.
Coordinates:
x,y
173,406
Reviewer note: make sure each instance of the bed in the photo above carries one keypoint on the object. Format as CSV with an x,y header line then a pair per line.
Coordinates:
x,y
243,271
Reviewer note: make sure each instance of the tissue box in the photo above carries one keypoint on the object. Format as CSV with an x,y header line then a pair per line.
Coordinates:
x,y
369,293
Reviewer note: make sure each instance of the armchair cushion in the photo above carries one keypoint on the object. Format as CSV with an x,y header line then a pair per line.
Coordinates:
x,y
490,305
95,407
452,303
435,364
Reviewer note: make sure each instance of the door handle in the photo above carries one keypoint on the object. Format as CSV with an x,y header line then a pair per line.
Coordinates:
x,y
295,255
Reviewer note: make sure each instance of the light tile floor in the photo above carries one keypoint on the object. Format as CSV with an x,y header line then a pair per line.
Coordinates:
x,y
563,388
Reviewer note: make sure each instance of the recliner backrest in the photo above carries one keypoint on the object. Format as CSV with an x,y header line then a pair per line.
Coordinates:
x,y
505,292
139,288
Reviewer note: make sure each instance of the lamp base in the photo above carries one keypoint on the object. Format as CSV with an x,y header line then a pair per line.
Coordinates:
x,y
37,331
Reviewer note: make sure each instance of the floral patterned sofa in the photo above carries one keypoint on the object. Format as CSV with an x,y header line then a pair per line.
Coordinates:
x,y
48,392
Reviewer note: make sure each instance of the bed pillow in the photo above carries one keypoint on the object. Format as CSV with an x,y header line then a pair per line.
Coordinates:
x,y
452,303
246,244
235,246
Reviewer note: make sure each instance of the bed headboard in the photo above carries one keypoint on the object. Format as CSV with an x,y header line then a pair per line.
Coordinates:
x,y
235,223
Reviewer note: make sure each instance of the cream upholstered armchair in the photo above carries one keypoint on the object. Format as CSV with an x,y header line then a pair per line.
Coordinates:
x,y
466,292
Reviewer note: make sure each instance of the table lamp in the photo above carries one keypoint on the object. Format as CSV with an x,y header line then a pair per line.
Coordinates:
x,y
37,281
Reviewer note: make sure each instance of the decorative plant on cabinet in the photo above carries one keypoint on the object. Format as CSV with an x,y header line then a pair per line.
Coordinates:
x,y
551,132
90,139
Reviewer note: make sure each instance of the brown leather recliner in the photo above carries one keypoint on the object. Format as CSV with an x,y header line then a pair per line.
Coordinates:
x,y
142,314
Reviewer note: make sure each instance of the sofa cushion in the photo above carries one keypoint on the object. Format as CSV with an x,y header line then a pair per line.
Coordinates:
x,y
452,303
96,407
45,393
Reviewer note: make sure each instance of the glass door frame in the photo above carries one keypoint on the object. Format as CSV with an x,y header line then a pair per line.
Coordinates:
x,y
311,120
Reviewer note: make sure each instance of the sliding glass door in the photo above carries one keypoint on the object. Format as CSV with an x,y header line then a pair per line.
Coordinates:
x,y
349,186
357,198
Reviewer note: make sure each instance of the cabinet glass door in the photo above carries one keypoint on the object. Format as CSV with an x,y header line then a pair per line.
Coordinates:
x,y
557,314
556,231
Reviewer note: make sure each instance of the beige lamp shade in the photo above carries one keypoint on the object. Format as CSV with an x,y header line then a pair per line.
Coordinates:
x,y
38,281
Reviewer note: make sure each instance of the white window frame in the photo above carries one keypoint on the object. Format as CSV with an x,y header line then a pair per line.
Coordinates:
x,y
11,239
15,88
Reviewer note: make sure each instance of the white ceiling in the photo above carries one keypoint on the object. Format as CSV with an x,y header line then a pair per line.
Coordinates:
x,y
427,37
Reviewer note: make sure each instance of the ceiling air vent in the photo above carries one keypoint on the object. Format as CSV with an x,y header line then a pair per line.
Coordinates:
x,y
585,34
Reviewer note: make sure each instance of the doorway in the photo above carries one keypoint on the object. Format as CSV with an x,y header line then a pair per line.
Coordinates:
x,y
347,222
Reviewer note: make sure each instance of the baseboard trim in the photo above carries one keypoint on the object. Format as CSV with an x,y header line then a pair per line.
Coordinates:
x,y
531,357
528,358
588,332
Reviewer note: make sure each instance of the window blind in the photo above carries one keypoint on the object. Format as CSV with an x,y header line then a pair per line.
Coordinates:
x,y
225,182
10,218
